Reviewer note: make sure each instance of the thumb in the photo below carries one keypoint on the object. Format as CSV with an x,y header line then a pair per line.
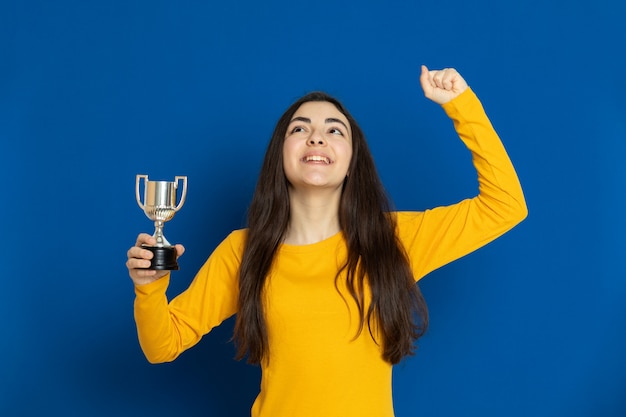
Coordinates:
x,y
425,80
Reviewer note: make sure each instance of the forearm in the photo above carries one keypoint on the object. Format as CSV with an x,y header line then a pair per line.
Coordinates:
x,y
157,334
500,192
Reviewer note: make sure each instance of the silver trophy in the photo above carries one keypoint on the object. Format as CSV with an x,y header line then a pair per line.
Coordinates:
x,y
160,206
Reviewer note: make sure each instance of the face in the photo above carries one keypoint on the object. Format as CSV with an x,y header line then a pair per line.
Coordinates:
x,y
318,146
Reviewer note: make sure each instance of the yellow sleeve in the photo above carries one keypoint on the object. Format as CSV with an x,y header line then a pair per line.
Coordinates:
x,y
436,237
165,329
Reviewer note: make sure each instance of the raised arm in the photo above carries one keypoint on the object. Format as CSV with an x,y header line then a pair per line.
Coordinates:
x,y
436,237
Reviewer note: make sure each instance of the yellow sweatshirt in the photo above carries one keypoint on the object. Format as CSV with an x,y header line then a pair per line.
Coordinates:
x,y
316,366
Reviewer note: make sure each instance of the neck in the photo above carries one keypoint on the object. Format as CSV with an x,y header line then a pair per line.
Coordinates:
x,y
313,217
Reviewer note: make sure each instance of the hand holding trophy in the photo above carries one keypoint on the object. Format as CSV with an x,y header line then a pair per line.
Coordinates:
x,y
159,204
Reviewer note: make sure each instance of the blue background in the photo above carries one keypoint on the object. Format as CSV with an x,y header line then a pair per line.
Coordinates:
x,y
93,93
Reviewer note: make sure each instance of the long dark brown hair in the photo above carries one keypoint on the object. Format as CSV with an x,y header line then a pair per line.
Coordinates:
x,y
375,257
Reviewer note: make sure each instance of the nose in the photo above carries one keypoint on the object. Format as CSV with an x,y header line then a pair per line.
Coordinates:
x,y
316,139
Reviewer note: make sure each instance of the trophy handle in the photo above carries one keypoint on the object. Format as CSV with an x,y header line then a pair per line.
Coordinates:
x,y
183,193
137,181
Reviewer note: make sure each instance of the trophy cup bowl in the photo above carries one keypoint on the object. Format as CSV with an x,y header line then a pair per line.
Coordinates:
x,y
159,205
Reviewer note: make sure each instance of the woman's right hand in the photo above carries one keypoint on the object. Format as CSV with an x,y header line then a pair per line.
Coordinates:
x,y
139,258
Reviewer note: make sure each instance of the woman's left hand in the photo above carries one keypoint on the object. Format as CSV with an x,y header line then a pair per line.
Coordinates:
x,y
443,85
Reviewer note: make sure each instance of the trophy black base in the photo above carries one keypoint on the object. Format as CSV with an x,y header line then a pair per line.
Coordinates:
x,y
164,258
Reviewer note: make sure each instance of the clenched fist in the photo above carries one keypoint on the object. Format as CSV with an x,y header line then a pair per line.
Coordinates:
x,y
443,85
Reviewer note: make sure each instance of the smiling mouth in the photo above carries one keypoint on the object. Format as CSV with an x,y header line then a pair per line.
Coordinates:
x,y
317,158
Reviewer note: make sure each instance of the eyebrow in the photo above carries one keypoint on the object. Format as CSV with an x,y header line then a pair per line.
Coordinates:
x,y
329,120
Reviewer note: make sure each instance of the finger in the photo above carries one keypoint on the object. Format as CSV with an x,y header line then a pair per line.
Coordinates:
x,y
426,81
146,239
458,82
425,77
451,79
136,252
135,264
448,78
143,273
180,249
438,78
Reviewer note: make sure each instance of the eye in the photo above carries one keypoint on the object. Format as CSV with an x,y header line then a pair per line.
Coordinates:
x,y
297,129
335,131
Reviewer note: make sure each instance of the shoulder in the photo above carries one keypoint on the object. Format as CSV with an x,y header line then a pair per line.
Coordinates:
x,y
233,244
238,235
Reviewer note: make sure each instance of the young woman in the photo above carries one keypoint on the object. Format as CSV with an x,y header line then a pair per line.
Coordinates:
x,y
323,279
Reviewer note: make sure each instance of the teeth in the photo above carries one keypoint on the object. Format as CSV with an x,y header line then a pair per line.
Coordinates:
x,y
317,158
